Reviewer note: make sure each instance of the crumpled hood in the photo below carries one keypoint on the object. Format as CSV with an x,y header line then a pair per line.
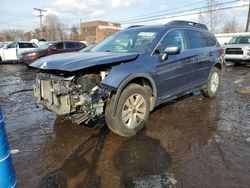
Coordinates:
x,y
80,60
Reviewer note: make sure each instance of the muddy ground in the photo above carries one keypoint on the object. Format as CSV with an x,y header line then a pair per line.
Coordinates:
x,y
190,142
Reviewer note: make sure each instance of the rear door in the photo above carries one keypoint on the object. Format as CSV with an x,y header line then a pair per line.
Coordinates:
x,y
71,47
176,73
202,55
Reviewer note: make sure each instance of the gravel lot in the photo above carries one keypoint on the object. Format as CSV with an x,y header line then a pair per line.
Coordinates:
x,y
190,142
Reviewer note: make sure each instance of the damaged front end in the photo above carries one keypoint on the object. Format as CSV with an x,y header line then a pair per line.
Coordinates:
x,y
82,98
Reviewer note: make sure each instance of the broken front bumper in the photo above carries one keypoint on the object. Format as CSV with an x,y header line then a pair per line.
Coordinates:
x,y
61,96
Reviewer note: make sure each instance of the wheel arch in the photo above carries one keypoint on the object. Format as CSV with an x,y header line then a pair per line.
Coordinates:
x,y
141,79
219,66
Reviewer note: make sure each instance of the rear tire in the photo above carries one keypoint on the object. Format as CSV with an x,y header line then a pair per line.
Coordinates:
x,y
132,111
212,84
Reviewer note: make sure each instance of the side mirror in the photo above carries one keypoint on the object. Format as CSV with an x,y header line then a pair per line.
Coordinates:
x,y
170,51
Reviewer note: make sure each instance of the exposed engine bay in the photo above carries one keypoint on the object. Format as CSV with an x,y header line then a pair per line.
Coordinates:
x,y
81,97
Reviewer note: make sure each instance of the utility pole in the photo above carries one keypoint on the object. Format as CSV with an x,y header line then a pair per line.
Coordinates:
x,y
41,21
248,19
80,32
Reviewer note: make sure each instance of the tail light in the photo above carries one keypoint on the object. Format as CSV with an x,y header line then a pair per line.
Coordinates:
x,y
223,51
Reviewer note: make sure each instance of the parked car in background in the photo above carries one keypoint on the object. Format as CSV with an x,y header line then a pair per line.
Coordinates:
x,y
12,50
128,74
238,50
38,41
50,48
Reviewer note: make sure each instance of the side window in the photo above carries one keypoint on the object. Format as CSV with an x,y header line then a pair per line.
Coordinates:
x,y
70,45
31,45
59,46
26,45
196,39
175,38
211,40
22,45
12,45
80,45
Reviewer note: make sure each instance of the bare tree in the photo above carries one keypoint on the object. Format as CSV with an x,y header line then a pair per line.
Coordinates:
x,y
74,34
12,34
231,26
53,28
212,17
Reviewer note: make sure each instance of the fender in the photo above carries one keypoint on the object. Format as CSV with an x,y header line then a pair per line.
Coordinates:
x,y
218,62
125,82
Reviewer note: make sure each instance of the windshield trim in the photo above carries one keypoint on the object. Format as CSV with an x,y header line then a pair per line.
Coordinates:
x,y
136,31
236,39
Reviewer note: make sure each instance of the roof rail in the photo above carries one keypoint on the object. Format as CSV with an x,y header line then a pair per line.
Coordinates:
x,y
132,26
187,23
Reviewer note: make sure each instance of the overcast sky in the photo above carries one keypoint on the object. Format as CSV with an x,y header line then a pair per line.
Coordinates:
x,y
20,14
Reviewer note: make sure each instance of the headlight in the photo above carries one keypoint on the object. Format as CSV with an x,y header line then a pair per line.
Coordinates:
x,y
32,54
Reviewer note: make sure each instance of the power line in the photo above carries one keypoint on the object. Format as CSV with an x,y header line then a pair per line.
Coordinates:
x,y
189,14
41,21
153,13
173,13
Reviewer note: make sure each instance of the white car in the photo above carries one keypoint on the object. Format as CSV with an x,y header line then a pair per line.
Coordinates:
x,y
12,50
238,50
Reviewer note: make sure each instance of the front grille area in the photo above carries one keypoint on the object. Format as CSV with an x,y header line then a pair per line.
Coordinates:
x,y
48,92
237,51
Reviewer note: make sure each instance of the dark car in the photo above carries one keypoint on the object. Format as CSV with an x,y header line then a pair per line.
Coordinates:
x,y
50,48
128,74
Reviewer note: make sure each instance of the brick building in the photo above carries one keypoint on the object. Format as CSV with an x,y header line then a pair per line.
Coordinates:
x,y
95,31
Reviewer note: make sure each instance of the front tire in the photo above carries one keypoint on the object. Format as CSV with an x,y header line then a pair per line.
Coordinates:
x,y
213,83
132,111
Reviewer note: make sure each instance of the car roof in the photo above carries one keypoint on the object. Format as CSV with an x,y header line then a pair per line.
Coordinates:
x,y
25,42
173,24
65,41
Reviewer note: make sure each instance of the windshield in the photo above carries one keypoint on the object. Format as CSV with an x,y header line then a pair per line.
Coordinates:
x,y
45,45
126,41
240,40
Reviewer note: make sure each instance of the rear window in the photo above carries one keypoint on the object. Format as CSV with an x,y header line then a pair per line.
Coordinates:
x,y
27,45
70,45
80,45
196,39
211,41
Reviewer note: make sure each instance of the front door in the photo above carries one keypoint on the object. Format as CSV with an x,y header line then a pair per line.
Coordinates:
x,y
176,73
57,48
10,52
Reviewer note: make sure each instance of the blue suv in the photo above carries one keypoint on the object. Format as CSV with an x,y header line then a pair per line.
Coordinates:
x,y
128,74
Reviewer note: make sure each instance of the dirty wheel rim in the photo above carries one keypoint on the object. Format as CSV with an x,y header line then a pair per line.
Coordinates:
x,y
214,82
134,111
